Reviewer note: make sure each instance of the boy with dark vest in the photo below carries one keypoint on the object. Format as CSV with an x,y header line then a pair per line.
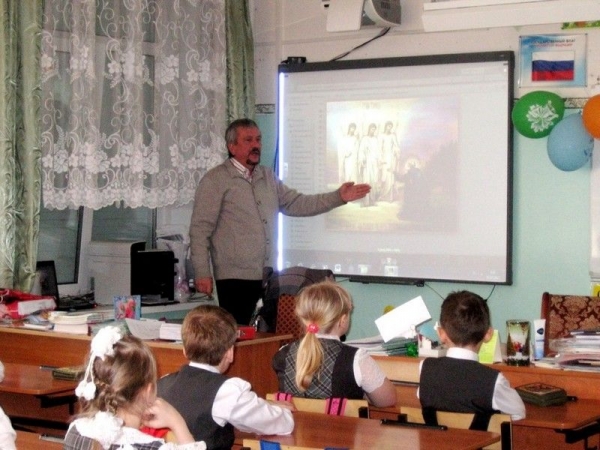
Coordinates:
x,y
458,382
211,403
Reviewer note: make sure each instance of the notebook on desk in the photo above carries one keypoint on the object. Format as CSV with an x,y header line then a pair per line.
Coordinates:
x,y
47,284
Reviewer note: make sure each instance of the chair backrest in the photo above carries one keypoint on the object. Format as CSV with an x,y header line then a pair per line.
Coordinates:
x,y
287,322
287,281
255,444
499,423
331,406
564,313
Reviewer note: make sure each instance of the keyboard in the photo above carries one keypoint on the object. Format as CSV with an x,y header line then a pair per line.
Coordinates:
x,y
76,302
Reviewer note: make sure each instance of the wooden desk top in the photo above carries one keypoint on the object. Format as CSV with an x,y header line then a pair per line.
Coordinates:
x,y
252,360
570,416
31,380
319,430
406,369
27,441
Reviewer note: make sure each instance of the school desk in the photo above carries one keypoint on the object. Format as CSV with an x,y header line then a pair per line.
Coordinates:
x,y
574,425
32,397
32,347
321,430
34,441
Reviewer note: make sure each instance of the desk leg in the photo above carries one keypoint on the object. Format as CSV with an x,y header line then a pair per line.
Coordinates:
x,y
533,438
47,401
583,434
28,408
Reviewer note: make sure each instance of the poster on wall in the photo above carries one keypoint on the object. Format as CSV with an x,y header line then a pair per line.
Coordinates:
x,y
553,60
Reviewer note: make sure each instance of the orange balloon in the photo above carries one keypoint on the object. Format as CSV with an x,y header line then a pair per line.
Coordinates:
x,y
591,116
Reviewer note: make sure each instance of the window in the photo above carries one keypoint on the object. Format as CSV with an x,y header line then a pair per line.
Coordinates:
x,y
112,223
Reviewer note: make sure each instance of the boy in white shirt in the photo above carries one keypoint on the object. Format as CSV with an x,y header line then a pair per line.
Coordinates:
x,y
211,403
458,382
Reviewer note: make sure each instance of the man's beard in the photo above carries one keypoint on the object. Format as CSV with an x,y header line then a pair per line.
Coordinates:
x,y
252,163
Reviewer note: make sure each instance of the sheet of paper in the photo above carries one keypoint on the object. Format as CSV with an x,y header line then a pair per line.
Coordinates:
x,y
490,352
402,320
144,329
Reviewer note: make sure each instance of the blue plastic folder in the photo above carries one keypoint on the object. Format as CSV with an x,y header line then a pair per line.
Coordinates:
x,y
268,445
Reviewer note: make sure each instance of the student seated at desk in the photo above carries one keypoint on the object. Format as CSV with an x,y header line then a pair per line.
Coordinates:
x,y
320,365
118,394
211,403
458,382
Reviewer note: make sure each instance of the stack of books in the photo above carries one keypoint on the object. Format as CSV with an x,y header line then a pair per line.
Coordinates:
x,y
375,346
150,329
78,322
401,347
580,351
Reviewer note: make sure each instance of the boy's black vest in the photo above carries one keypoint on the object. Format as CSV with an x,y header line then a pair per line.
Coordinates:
x,y
192,392
457,385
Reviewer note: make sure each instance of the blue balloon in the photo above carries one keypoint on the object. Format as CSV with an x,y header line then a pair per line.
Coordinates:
x,y
569,144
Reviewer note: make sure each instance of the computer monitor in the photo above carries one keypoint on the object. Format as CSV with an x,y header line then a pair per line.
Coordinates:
x,y
153,275
45,282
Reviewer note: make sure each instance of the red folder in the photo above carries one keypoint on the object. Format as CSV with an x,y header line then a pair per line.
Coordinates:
x,y
246,332
16,304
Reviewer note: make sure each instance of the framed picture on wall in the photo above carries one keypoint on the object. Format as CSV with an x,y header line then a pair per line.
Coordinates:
x,y
553,60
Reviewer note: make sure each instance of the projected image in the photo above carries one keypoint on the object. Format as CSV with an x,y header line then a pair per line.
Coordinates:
x,y
431,135
404,149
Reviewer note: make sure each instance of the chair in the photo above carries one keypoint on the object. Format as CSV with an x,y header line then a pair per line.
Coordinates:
x,y
499,423
331,406
255,444
287,322
564,313
287,281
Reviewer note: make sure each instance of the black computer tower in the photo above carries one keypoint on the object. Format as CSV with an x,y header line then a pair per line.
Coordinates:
x,y
153,274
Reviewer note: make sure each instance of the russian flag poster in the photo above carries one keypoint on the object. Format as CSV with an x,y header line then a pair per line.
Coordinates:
x,y
553,60
552,66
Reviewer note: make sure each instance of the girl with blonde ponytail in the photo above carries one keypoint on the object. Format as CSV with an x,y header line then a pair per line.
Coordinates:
x,y
320,365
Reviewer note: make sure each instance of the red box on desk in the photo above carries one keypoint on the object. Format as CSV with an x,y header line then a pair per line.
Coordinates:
x,y
246,333
17,304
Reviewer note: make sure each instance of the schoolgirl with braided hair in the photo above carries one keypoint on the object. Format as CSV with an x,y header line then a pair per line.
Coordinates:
x,y
320,365
118,397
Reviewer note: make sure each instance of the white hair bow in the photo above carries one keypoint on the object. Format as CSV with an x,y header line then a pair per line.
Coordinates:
x,y
102,346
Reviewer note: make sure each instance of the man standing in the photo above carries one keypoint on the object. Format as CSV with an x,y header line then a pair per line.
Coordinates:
x,y
234,222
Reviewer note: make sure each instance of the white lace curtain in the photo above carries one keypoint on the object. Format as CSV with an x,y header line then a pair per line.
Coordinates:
x,y
134,99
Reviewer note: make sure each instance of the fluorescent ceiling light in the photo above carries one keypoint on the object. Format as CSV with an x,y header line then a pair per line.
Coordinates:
x,y
472,14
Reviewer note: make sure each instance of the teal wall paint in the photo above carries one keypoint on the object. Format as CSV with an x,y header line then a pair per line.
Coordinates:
x,y
268,126
551,242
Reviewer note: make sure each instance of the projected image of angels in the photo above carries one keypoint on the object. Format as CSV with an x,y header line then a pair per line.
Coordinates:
x,y
407,150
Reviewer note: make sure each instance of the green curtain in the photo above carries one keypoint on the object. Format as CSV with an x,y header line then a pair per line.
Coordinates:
x,y
20,167
240,60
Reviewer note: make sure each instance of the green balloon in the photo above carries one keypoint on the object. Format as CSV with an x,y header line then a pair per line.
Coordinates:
x,y
536,113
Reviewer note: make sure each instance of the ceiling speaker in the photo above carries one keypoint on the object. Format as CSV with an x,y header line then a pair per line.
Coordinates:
x,y
351,15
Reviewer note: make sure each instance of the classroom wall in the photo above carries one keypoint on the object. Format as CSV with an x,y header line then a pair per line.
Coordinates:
x,y
551,212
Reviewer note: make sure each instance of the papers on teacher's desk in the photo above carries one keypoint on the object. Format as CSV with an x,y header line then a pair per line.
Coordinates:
x,y
148,329
373,344
397,330
401,322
